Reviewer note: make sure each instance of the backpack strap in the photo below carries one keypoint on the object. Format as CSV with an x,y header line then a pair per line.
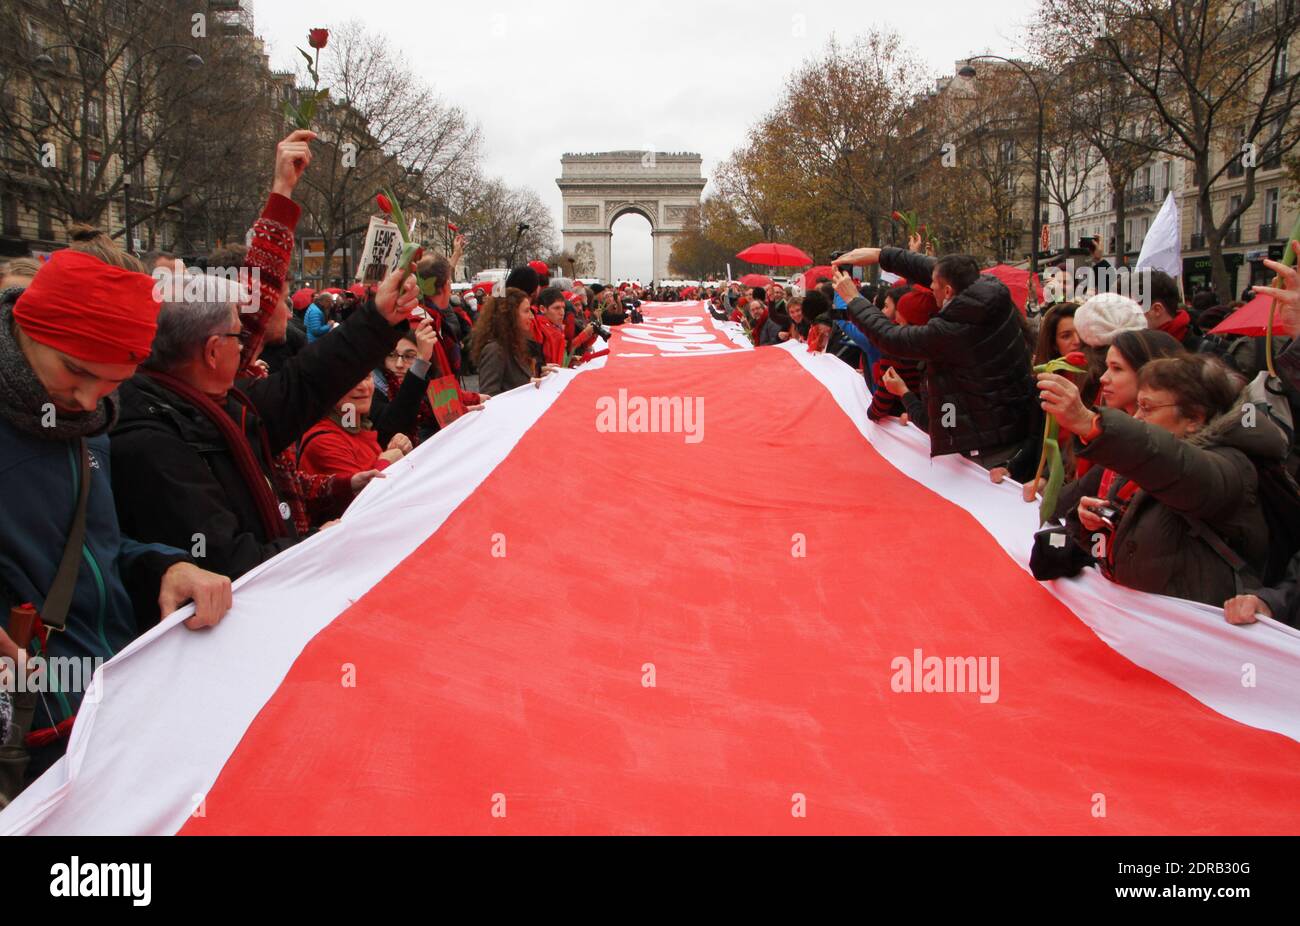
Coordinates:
x,y
307,439
54,615
1241,572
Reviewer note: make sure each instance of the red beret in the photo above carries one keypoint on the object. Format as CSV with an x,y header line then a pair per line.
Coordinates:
x,y
90,310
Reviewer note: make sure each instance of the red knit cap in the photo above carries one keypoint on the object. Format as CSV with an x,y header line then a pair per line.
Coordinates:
x,y
541,268
916,307
90,310
302,298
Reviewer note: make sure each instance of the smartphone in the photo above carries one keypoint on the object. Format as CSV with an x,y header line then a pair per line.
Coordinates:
x,y
1106,513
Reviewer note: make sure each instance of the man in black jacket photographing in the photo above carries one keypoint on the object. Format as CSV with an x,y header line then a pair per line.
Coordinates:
x,y
979,383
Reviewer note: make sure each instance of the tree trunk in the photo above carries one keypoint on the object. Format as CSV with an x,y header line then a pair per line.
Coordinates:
x,y
1213,234
1118,185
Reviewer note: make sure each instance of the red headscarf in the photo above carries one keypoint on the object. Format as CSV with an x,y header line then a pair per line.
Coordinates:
x,y
89,309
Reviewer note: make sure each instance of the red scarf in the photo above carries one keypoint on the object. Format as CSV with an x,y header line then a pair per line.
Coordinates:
x,y
1177,326
268,506
1122,498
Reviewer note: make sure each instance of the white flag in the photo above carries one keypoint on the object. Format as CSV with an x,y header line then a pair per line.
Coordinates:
x,y
1162,247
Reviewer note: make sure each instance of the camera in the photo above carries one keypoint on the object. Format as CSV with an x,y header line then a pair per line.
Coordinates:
x,y
843,268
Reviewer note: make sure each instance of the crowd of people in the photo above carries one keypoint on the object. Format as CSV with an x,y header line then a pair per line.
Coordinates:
x,y
1178,450
159,441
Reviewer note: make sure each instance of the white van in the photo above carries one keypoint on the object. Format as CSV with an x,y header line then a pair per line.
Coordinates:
x,y
496,277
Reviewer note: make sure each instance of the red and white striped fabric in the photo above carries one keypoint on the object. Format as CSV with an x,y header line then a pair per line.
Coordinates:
x,y
553,628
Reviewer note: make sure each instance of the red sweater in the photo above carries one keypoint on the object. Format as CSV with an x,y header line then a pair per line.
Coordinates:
x,y
327,448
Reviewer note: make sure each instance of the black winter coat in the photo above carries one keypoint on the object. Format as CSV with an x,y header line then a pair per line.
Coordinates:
x,y
174,476
980,386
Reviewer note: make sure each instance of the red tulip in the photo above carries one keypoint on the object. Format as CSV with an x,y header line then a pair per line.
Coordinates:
x,y
453,227
384,205
921,231
1075,358
318,38
897,216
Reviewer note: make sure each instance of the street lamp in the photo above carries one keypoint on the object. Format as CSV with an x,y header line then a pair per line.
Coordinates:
x,y
43,62
519,233
969,72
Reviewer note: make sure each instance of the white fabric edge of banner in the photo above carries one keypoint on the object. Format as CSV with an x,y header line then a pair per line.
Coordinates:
x,y
109,782
1188,644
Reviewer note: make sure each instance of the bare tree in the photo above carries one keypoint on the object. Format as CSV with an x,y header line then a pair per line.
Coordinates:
x,y
89,92
381,128
492,226
1211,73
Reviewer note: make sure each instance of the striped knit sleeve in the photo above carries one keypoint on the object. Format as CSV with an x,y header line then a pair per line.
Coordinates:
x,y
268,257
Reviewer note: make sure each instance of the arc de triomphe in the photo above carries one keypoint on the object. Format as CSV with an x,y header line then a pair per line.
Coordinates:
x,y
599,187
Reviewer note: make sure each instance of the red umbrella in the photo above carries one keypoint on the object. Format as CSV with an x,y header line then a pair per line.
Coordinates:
x,y
1017,281
810,277
772,254
755,279
1252,319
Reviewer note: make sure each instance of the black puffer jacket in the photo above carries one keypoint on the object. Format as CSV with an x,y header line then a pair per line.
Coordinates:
x,y
174,475
978,361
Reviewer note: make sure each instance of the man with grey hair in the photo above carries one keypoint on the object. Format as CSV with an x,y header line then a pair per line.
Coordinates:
x,y
194,455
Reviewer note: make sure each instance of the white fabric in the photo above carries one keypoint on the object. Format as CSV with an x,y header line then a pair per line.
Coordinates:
x,y
1188,644
1162,246
218,679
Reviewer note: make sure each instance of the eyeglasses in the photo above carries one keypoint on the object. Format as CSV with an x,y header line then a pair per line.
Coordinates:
x,y
409,357
1147,408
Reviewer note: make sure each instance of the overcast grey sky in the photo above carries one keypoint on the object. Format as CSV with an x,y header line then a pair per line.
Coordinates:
x,y
674,75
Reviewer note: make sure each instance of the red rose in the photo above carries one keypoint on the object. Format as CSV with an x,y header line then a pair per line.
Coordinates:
x,y
384,205
318,38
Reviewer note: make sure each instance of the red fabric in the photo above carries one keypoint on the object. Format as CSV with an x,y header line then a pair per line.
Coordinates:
x,y
48,735
772,671
1252,319
1177,326
774,254
328,449
1017,281
1123,497
90,310
553,342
